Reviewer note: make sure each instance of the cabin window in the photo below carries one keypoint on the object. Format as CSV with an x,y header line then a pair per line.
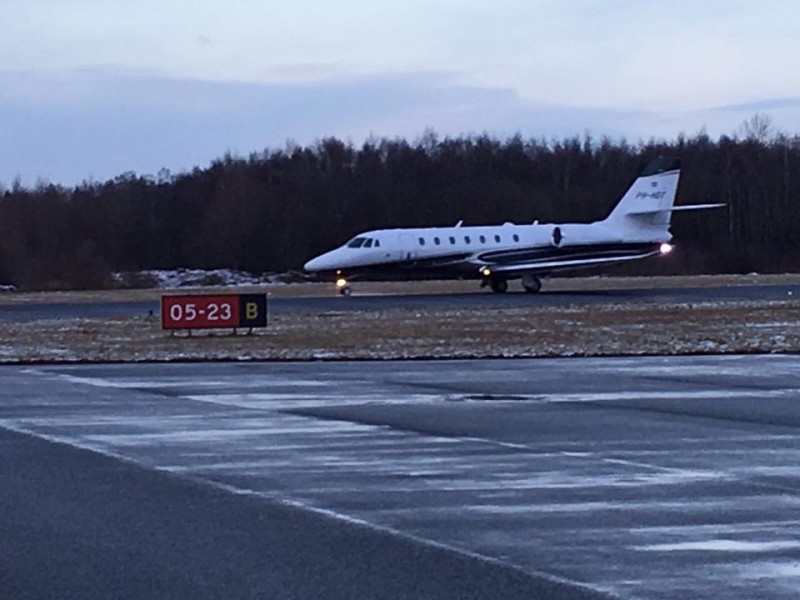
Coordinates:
x,y
377,243
467,240
483,239
452,240
516,237
497,239
437,241
356,242
368,243
421,241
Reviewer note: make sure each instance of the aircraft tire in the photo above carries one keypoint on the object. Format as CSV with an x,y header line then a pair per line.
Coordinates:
x,y
346,291
499,286
531,284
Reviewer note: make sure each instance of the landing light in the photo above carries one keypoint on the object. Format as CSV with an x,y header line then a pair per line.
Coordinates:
x,y
486,271
341,283
665,249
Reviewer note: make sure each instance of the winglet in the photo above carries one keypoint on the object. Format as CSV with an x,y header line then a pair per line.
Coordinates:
x,y
662,164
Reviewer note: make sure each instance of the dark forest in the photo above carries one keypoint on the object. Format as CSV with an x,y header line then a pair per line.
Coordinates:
x,y
275,209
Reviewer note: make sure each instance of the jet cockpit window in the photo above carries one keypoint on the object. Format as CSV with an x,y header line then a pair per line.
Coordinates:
x,y
377,243
356,242
368,243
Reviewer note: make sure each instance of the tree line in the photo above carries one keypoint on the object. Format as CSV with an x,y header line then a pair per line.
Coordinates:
x,y
273,210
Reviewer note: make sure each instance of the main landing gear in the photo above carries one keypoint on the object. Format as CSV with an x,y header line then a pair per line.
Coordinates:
x,y
531,283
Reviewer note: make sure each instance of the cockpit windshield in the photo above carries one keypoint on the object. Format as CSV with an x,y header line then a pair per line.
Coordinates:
x,y
364,242
356,242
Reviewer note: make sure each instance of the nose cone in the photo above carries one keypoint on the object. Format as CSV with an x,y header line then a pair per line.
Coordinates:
x,y
324,262
313,265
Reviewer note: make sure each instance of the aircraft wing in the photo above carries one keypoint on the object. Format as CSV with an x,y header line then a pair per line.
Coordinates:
x,y
550,265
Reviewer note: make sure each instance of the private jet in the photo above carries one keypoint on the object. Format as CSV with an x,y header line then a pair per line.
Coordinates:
x,y
638,227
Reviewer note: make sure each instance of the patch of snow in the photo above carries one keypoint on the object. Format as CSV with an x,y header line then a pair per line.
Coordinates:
x,y
199,277
772,570
779,340
723,546
7,287
181,278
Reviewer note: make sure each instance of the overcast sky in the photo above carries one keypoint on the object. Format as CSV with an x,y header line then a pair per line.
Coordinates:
x,y
93,88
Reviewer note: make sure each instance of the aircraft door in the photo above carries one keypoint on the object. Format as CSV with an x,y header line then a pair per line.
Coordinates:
x,y
558,236
407,249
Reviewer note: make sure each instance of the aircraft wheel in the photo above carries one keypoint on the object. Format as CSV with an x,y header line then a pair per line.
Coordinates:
x,y
499,286
346,291
531,284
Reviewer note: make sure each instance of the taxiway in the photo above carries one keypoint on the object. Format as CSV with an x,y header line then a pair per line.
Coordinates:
x,y
34,311
658,478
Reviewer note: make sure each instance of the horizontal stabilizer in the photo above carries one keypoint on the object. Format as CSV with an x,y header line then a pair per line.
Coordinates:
x,y
675,208
698,206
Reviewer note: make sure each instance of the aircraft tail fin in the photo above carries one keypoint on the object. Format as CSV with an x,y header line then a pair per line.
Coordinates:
x,y
649,201
648,204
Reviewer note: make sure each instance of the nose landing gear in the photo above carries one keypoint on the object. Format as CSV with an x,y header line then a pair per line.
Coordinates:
x,y
498,285
343,286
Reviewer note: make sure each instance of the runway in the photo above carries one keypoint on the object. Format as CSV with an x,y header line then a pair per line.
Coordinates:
x,y
366,302
658,478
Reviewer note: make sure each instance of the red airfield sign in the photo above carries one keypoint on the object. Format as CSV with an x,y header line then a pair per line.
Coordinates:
x,y
196,311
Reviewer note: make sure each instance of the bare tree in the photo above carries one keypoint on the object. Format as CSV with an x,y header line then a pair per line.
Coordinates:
x,y
757,128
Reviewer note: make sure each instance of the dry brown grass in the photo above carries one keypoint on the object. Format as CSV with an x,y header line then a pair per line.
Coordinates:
x,y
439,333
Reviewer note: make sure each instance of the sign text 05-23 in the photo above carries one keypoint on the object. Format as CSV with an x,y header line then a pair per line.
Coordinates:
x,y
213,311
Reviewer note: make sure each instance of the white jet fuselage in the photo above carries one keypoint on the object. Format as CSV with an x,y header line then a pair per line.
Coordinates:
x,y
469,251
637,227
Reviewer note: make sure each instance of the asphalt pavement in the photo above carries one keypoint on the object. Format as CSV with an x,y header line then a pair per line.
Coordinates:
x,y
659,477
482,300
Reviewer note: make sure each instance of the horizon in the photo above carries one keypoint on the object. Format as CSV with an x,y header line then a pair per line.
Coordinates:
x,y
166,173
93,91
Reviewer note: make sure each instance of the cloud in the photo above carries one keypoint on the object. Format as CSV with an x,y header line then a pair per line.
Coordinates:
x,y
96,124
646,54
762,105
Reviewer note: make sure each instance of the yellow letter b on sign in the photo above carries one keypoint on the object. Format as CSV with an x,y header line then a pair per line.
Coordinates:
x,y
253,310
